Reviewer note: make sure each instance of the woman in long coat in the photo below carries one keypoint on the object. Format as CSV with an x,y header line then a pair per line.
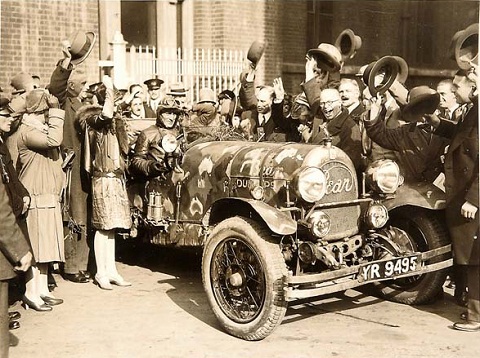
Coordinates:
x,y
40,136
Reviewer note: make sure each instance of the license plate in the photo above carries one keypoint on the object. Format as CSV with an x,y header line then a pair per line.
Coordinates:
x,y
389,269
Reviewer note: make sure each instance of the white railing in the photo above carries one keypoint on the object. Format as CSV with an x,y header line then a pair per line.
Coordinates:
x,y
217,69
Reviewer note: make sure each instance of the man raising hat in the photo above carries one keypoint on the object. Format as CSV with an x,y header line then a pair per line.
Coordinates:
x,y
153,88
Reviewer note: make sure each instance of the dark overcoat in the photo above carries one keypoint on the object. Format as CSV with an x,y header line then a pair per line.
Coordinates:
x,y
461,184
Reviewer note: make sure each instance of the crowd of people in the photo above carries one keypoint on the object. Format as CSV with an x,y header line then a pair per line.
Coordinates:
x,y
67,150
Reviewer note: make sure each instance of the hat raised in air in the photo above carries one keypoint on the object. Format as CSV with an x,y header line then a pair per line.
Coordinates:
x,y
348,43
153,83
81,44
464,47
255,52
386,66
328,57
422,100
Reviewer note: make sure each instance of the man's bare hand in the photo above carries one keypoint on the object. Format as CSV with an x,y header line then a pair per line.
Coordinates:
x,y
278,88
375,107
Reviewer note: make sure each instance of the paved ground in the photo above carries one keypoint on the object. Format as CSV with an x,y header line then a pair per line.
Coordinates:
x,y
165,314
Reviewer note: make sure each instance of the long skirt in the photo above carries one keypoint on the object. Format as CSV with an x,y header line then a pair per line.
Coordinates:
x,y
111,208
45,228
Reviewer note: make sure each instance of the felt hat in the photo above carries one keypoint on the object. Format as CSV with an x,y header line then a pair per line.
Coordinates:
x,y
153,83
421,100
402,74
36,100
206,95
81,44
387,65
177,89
348,43
255,52
464,47
22,82
328,57
4,102
226,94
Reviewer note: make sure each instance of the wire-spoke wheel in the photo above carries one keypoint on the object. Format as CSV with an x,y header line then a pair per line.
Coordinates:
x,y
424,231
243,273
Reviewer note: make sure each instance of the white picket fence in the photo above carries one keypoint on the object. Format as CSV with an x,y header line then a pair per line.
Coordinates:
x,y
217,69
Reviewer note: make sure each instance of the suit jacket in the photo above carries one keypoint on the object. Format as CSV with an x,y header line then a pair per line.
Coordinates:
x,y
461,184
149,112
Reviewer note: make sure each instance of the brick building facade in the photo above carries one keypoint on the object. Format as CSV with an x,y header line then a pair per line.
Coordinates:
x,y
419,31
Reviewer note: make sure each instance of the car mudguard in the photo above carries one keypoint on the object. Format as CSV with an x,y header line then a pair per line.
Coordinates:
x,y
422,194
280,222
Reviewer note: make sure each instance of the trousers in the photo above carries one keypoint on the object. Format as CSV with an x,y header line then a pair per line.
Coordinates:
x,y
4,320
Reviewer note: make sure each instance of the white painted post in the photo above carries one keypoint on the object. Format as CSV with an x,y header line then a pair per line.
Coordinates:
x,y
119,54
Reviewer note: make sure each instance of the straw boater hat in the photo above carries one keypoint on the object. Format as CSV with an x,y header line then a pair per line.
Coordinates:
x,y
177,89
81,44
422,100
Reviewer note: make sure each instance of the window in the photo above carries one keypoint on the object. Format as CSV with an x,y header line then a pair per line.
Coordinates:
x,y
139,22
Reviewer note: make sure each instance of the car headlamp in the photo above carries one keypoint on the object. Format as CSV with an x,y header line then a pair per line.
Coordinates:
x,y
376,216
311,184
384,176
319,223
169,143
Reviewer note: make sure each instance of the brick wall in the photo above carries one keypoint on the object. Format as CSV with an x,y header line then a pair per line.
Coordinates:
x,y
31,33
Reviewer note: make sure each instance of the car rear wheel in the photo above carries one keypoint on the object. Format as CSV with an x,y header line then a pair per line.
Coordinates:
x,y
425,231
243,274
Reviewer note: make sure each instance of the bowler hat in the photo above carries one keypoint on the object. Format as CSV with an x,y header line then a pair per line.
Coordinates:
x,y
387,65
81,44
255,52
464,47
348,43
177,89
153,83
328,57
226,94
206,95
422,100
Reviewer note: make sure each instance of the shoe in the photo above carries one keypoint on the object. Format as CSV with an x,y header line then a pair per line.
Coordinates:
x,y
119,281
13,340
86,274
30,304
51,287
14,315
13,325
78,277
103,282
464,315
468,326
51,301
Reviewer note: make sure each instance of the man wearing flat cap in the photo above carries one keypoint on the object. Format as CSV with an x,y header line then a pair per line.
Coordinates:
x,y
153,89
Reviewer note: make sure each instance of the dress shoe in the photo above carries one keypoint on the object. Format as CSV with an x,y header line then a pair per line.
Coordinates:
x,y
37,307
51,301
13,340
13,325
103,282
468,326
14,315
76,277
119,281
86,274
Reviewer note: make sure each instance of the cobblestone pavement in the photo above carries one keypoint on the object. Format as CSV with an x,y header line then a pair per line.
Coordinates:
x,y
165,314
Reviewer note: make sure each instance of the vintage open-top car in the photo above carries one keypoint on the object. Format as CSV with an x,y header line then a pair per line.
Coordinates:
x,y
286,221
